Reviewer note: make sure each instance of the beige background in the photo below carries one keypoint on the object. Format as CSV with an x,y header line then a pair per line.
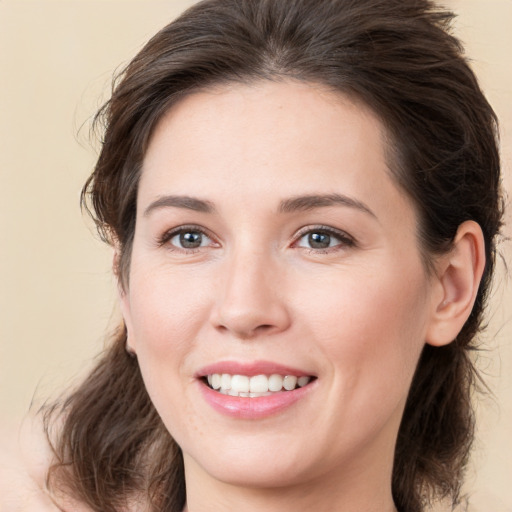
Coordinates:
x,y
57,296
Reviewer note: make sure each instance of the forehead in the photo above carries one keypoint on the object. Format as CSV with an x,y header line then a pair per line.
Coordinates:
x,y
238,132
246,150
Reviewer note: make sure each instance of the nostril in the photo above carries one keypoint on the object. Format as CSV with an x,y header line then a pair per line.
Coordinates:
x,y
265,327
249,315
246,334
258,330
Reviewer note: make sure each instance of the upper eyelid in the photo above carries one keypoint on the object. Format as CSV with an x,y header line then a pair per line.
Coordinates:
x,y
328,229
340,233
167,235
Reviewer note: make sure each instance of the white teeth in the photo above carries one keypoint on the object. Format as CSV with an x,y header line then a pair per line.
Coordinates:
x,y
275,383
215,381
302,381
289,382
258,384
225,381
255,386
240,383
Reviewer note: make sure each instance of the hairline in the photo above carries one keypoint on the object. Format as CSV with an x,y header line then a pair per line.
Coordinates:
x,y
390,142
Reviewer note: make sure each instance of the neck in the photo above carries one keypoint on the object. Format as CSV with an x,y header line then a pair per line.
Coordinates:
x,y
366,489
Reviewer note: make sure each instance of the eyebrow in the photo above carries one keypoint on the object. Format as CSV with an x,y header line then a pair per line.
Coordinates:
x,y
186,202
293,204
310,202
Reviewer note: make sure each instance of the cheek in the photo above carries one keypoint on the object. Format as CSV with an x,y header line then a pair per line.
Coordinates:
x,y
168,309
167,314
165,329
373,358
371,327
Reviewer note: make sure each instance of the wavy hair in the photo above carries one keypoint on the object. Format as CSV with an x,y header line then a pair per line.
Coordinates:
x,y
399,58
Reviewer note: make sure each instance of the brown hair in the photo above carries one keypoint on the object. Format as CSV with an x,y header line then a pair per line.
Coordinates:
x,y
399,58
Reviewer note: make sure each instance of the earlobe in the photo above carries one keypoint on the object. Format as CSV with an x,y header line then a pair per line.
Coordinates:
x,y
456,284
124,302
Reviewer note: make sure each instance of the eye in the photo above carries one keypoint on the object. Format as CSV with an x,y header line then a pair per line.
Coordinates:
x,y
186,238
323,238
189,240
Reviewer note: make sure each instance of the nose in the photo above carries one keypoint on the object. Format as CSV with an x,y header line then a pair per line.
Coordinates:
x,y
251,297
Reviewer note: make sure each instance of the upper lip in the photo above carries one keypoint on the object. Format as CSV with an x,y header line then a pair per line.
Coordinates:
x,y
250,369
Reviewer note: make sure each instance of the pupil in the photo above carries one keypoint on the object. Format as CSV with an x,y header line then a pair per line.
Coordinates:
x,y
319,240
191,239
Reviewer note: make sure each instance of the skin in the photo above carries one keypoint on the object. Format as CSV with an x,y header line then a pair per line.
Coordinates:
x,y
355,315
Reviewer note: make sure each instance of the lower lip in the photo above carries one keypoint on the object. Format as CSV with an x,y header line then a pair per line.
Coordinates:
x,y
253,408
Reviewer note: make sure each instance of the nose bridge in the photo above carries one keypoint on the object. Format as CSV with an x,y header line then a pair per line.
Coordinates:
x,y
249,273
250,300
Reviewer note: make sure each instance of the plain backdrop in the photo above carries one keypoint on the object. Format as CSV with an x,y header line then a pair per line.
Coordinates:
x,y
57,296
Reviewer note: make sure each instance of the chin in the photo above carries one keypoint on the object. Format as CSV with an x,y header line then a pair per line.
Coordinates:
x,y
258,464
264,474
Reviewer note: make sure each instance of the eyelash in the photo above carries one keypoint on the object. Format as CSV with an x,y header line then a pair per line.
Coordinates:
x,y
169,235
346,241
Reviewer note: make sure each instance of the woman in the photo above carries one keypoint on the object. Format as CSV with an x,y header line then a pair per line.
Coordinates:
x,y
303,198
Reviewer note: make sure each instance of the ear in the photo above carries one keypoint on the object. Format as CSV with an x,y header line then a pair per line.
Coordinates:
x,y
124,300
458,275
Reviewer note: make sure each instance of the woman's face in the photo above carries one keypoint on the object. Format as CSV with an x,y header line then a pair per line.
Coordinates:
x,y
272,242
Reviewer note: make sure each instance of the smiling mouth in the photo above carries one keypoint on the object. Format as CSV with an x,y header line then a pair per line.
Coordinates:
x,y
255,386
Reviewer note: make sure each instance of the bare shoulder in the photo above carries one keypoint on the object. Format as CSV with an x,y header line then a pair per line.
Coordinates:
x,y
25,457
